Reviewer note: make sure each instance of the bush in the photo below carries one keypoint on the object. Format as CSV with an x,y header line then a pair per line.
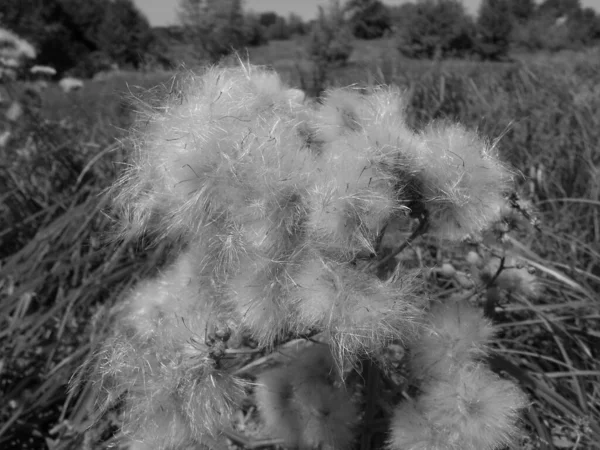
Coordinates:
x,y
214,27
329,44
296,25
434,28
544,32
254,32
584,27
330,40
124,34
370,19
557,25
494,26
541,33
522,10
278,30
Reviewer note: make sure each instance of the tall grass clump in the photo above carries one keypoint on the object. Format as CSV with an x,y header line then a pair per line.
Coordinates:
x,y
58,271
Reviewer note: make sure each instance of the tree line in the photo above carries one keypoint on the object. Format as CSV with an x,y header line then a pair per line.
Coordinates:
x,y
84,37
81,36
430,28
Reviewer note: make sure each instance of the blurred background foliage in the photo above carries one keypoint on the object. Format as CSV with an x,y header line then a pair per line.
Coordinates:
x,y
82,38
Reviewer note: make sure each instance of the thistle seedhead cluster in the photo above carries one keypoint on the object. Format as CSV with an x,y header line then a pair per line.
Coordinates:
x,y
463,404
304,402
276,202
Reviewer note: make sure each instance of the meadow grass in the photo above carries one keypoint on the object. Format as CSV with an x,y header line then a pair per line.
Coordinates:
x,y
61,273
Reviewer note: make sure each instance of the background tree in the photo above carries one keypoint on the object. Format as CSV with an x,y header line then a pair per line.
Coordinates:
x,y
559,8
296,25
370,19
268,18
494,26
522,10
88,16
125,34
51,28
434,28
276,27
214,27
329,44
584,27
81,37
330,40
558,25
254,31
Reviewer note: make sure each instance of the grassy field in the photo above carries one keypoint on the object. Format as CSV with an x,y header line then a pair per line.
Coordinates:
x,y
60,271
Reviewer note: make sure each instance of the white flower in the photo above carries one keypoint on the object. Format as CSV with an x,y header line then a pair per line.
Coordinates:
x,y
69,84
43,70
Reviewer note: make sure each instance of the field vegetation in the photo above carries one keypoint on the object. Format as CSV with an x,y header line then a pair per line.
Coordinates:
x,y
62,273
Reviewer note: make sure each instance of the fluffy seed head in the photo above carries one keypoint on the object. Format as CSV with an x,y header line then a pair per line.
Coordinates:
x,y
461,181
304,403
474,408
355,196
201,155
454,333
360,312
158,360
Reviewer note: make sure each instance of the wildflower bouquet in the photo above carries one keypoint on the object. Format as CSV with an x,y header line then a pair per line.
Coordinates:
x,y
281,206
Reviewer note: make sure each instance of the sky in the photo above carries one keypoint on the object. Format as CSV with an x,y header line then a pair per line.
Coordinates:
x,y
162,12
